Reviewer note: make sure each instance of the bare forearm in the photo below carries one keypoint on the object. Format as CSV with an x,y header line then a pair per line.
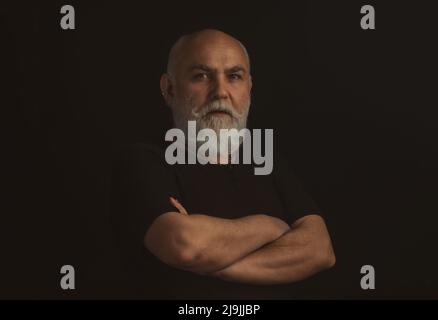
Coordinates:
x,y
293,257
219,242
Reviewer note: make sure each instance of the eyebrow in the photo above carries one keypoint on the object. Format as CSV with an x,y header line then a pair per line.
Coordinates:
x,y
235,69
203,67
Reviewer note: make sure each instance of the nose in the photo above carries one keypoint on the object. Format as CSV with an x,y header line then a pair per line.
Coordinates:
x,y
219,89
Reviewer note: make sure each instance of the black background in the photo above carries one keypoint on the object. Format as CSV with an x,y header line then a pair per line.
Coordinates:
x,y
354,110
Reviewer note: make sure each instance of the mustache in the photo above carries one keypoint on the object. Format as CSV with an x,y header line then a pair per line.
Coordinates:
x,y
217,106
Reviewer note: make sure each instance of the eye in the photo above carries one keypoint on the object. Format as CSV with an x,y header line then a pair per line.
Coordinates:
x,y
200,76
235,76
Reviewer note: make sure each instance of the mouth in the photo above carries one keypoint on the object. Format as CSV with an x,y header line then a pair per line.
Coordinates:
x,y
219,113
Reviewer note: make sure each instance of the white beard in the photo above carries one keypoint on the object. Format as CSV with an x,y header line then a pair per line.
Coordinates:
x,y
204,120
234,120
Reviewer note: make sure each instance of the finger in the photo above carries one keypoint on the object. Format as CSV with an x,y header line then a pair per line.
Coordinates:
x,y
178,205
173,202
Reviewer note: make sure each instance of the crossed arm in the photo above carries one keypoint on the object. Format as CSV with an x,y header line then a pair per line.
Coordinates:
x,y
256,249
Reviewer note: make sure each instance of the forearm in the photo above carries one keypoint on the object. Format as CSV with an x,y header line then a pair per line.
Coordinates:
x,y
217,242
293,257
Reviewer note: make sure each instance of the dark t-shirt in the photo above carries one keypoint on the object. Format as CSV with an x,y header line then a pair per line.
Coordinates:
x,y
141,187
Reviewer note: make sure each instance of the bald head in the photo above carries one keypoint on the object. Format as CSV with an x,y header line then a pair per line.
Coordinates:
x,y
189,44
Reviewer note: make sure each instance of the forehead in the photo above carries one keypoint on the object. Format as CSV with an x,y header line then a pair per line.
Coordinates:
x,y
214,52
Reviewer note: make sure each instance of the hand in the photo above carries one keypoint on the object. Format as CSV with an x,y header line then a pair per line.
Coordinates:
x,y
178,205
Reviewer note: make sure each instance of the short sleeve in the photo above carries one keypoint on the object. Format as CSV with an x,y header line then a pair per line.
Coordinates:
x,y
296,201
141,185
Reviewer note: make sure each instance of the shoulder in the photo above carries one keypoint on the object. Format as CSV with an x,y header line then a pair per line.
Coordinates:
x,y
138,157
141,148
142,151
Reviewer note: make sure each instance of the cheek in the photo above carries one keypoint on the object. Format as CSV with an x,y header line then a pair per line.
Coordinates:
x,y
189,98
243,101
198,97
192,93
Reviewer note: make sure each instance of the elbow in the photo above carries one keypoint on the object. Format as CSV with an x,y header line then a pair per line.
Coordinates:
x,y
192,258
330,260
326,258
185,258
172,247
176,247
177,255
186,254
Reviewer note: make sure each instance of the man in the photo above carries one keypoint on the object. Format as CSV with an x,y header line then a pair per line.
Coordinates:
x,y
215,230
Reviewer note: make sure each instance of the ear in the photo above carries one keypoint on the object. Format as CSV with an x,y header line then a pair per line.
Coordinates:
x,y
250,83
166,87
